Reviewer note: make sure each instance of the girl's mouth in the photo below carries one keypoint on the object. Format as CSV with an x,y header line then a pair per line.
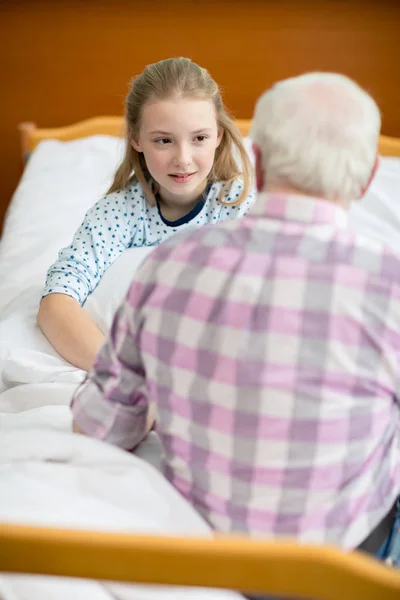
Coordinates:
x,y
181,177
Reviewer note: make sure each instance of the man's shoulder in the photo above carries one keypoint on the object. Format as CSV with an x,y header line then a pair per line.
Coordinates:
x,y
208,236
375,257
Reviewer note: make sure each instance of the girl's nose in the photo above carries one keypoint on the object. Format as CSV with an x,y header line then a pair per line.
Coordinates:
x,y
182,157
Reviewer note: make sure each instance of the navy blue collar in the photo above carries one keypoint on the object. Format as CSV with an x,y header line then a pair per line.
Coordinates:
x,y
191,215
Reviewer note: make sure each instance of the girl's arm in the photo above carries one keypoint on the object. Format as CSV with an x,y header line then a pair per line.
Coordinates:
x,y
104,234
69,329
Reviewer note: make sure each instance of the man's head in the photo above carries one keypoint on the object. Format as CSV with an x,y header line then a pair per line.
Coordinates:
x,y
316,134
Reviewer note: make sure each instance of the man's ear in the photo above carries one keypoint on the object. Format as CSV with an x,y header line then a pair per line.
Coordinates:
x,y
371,177
259,172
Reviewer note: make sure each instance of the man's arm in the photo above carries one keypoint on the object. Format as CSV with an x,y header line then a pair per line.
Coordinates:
x,y
112,403
151,421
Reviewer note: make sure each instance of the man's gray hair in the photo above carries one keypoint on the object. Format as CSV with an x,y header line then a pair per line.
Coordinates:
x,y
318,133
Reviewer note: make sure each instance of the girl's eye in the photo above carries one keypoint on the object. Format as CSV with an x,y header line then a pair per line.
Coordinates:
x,y
162,141
201,138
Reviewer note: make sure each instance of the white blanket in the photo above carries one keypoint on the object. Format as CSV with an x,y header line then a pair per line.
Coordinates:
x,y
52,477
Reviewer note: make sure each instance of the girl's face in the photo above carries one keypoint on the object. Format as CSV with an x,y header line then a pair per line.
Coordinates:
x,y
178,138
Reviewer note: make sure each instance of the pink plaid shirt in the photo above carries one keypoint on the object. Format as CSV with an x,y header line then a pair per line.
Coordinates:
x,y
271,349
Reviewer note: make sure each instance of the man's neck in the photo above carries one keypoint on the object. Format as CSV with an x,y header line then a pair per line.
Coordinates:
x,y
291,191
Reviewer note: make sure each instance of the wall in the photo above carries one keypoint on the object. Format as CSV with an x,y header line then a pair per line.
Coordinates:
x,y
65,61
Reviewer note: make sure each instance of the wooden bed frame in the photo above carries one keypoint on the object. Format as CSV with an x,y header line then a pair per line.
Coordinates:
x,y
237,563
66,61
31,136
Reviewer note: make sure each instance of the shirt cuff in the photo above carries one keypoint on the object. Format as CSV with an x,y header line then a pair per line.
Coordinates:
x,y
99,417
59,289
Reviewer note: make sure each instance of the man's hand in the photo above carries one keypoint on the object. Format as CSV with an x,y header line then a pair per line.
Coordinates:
x,y
76,429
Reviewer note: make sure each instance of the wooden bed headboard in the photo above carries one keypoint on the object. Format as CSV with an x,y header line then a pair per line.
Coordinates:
x,y
66,61
31,135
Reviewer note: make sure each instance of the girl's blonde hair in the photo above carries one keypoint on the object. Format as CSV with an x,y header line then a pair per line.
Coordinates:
x,y
180,77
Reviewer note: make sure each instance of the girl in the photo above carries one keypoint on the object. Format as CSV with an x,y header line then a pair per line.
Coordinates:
x,y
179,171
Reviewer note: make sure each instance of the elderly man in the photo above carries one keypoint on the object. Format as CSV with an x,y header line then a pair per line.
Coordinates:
x,y
270,346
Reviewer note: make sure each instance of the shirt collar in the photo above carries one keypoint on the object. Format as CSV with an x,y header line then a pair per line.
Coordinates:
x,y
303,209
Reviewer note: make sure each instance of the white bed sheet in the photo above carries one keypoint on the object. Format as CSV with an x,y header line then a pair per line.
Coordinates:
x,y
37,448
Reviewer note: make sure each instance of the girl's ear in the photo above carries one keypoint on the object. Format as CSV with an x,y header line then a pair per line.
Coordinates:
x,y
135,145
220,136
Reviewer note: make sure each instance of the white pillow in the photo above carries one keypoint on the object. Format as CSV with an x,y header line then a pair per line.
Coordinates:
x,y
62,180
377,215
109,294
25,354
